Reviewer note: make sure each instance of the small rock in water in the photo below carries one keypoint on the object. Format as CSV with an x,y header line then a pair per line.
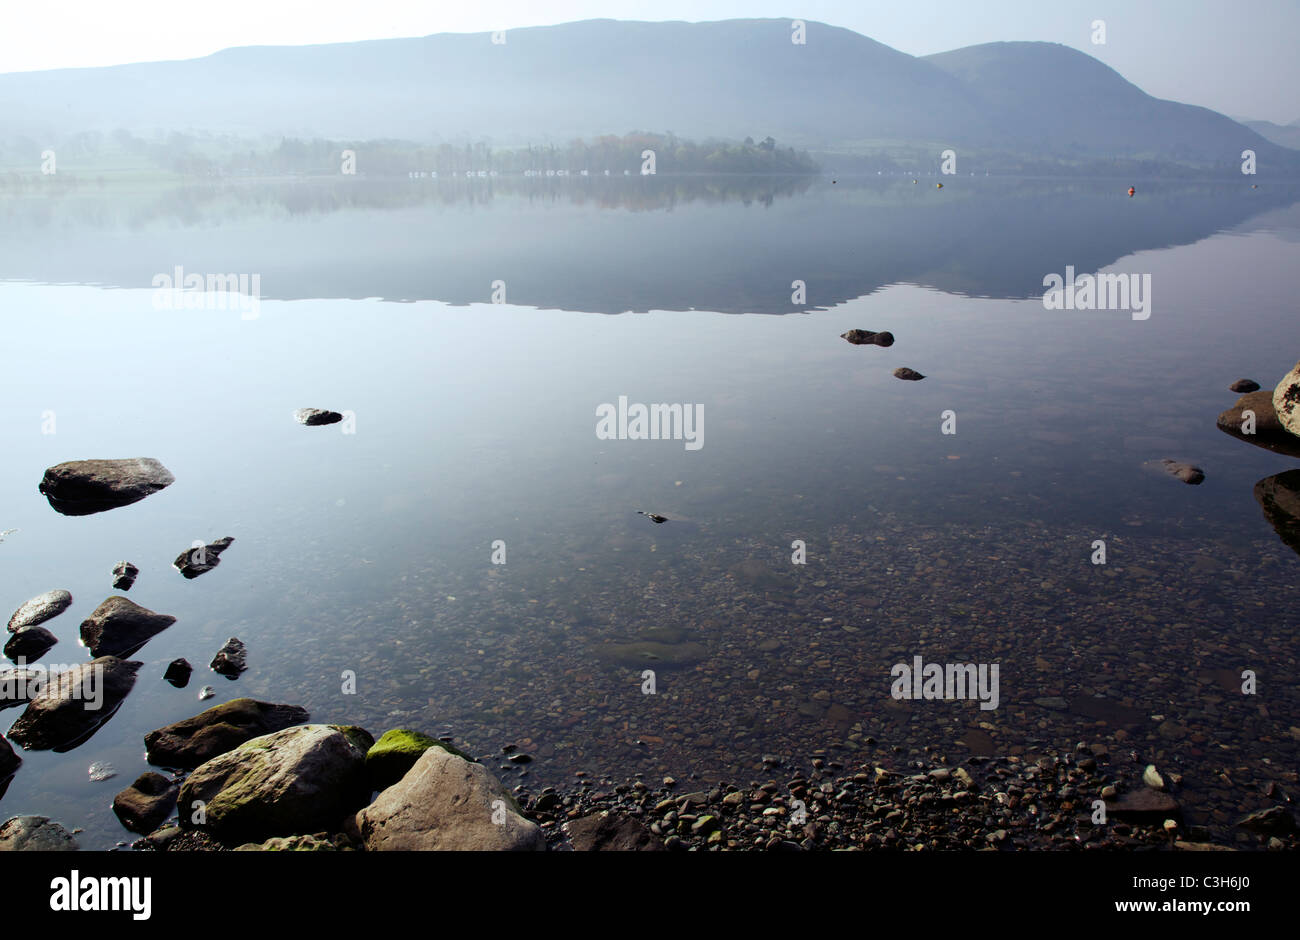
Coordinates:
x,y
1151,777
206,693
102,770
653,517
231,659
30,644
908,375
178,673
1184,471
201,558
39,609
124,575
1242,386
83,487
313,417
869,338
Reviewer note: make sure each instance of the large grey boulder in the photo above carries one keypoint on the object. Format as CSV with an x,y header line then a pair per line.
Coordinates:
x,y
73,704
82,487
1286,400
446,803
119,627
221,728
302,779
39,609
35,834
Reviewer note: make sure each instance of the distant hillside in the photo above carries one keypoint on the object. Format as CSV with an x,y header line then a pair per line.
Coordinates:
x,y
1284,135
729,79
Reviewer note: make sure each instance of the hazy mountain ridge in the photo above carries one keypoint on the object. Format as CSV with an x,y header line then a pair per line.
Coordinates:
x,y
726,79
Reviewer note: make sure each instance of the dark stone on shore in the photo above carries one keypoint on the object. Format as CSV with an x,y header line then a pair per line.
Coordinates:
x,y
1275,820
313,417
231,659
1279,497
908,375
119,627
124,575
39,609
35,834
57,717
178,673
1242,386
9,761
144,805
201,558
187,744
605,832
869,338
83,487
30,644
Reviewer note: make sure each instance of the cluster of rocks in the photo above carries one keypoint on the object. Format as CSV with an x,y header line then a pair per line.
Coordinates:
x,y
1069,802
1267,419
883,338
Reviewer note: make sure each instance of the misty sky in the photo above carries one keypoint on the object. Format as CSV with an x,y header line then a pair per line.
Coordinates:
x,y
1235,57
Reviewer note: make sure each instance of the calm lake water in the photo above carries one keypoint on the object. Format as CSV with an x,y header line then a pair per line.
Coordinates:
x,y
368,546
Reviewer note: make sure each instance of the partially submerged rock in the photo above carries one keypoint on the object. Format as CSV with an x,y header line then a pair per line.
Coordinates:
x,y
231,659
30,644
187,744
446,803
19,685
1242,386
200,559
1254,419
301,779
1178,469
35,834
39,609
144,805
82,487
124,575
119,627
1286,400
1279,497
178,673
9,761
869,338
908,375
313,417
73,704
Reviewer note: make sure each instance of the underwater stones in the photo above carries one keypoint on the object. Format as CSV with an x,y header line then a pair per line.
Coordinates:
x,y
868,338
39,609
83,487
119,627
642,653
200,559
1177,469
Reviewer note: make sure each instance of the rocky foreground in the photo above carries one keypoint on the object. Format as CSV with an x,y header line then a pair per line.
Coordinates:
x,y
248,776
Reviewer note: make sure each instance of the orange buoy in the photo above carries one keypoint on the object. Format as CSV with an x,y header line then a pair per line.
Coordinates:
x,y
1131,191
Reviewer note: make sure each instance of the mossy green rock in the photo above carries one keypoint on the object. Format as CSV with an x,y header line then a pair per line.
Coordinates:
x,y
396,752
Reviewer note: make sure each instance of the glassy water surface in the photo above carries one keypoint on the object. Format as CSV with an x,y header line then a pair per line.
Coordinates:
x,y
368,546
